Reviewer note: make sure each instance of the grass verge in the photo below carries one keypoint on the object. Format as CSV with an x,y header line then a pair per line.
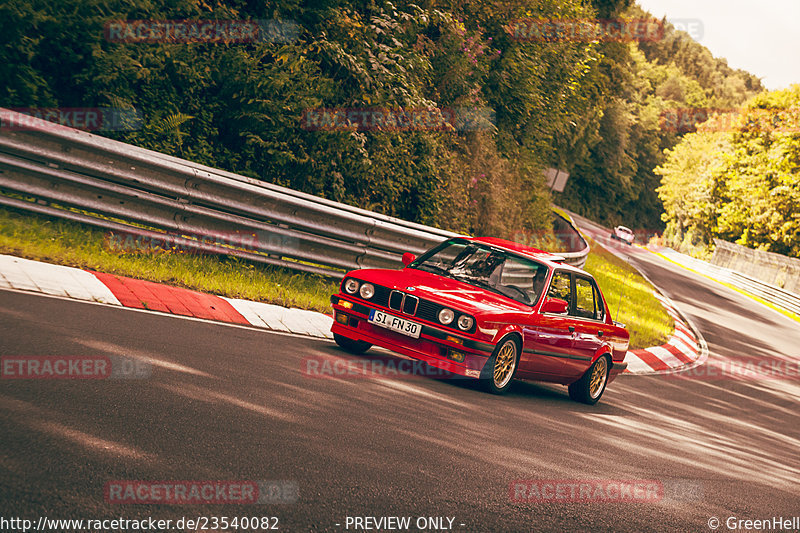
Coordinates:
x,y
647,321
67,243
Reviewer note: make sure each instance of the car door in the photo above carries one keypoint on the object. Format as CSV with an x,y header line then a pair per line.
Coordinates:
x,y
547,343
588,318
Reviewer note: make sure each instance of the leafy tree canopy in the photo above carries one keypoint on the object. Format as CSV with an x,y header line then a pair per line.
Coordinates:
x,y
590,108
738,178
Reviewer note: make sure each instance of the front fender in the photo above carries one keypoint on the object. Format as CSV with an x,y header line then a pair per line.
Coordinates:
x,y
505,330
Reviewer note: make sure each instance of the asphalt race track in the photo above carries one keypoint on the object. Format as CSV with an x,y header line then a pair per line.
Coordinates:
x,y
234,403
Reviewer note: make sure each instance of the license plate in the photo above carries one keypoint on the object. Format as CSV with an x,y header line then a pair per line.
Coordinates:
x,y
400,325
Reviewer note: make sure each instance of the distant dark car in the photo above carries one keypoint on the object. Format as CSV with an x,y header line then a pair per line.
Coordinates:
x,y
487,309
621,233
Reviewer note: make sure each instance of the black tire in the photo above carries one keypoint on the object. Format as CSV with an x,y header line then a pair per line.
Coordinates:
x,y
499,370
350,345
592,384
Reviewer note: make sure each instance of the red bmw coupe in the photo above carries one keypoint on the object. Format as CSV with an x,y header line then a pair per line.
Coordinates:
x,y
487,309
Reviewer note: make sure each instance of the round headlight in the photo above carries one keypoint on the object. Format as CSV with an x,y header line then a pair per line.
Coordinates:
x,y
446,316
465,322
351,286
367,291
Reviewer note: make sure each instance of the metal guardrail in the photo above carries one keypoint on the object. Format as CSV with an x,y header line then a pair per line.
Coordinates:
x,y
90,179
770,293
567,231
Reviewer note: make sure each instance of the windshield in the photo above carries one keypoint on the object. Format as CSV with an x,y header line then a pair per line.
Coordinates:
x,y
486,267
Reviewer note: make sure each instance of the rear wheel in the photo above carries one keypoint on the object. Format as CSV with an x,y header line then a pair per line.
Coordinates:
x,y
500,368
352,346
590,387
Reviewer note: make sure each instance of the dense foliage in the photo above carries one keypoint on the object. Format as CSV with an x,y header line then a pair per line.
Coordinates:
x,y
591,108
643,83
738,178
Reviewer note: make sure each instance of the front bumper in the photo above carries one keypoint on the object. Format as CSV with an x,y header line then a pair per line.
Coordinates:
x,y
435,346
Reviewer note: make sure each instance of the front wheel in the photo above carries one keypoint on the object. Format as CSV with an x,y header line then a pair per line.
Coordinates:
x,y
500,368
590,387
350,345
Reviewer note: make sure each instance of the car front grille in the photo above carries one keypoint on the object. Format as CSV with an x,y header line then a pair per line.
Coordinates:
x,y
396,300
405,303
410,305
381,296
428,310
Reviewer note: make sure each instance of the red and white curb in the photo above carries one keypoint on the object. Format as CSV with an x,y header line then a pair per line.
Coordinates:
x,y
683,350
26,275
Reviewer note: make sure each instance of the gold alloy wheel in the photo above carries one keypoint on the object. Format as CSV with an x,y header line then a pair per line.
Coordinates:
x,y
504,364
598,379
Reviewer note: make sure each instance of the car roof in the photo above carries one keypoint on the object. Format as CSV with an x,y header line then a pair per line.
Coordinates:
x,y
554,260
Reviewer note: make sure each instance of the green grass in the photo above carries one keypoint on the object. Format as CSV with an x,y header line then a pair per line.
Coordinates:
x,y
647,321
71,244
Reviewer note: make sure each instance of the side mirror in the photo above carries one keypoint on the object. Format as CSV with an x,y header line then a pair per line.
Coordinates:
x,y
408,257
556,306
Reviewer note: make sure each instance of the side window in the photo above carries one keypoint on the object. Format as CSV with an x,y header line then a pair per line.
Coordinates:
x,y
601,309
585,304
560,287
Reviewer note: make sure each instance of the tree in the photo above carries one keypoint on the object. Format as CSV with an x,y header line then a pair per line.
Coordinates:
x,y
738,178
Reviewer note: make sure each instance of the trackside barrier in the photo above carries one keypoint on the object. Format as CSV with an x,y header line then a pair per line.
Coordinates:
x,y
768,267
567,232
770,293
71,174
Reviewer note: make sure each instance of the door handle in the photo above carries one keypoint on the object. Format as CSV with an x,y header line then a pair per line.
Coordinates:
x,y
572,329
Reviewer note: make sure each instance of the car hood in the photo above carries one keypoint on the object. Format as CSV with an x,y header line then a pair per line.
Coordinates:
x,y
440,289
